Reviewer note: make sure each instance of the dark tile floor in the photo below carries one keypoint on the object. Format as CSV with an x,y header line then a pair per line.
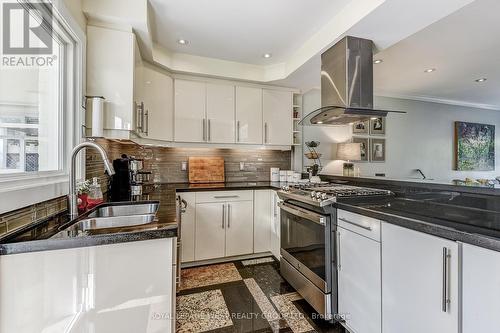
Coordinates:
x,y
243,296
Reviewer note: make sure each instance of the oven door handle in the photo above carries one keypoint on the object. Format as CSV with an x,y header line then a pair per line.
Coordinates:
x,y
308,215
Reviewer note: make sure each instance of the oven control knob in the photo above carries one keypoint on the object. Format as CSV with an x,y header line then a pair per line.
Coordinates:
x,y
318,195
313,194
324,196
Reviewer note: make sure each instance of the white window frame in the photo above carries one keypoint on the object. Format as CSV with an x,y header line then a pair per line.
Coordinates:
x,y
19,190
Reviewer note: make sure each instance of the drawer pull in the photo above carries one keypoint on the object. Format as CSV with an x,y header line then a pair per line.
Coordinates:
x,y
226,196
355,224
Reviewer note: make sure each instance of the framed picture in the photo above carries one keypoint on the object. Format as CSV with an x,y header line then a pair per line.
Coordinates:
x,y
377,126
377,150
365,148
361,127
474,147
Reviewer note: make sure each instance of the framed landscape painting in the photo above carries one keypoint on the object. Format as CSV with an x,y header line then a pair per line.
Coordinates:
x,y
474,147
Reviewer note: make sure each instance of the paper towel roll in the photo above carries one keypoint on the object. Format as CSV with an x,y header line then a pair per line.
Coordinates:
x,y
97,116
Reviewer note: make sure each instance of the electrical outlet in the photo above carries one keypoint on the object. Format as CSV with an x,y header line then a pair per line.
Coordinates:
x,y
184,166
242,166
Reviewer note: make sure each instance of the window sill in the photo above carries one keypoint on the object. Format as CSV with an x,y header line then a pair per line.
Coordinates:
x,y
23,193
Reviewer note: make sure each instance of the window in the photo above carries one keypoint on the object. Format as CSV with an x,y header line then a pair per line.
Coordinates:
x,y
40,100
31,112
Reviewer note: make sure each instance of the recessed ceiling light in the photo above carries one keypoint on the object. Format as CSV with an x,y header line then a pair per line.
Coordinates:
x,y
430,70
267,55
182,41
481,79
378,61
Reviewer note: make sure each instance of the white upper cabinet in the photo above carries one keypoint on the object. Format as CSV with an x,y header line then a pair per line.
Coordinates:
x,y
220,113
480,290
249,115
419,282
111,70
190,106
157,90
277,113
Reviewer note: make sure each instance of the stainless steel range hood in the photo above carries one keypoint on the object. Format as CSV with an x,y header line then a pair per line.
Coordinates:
x,y
346,84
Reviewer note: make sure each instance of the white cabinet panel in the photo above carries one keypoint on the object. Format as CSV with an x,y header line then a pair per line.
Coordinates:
x,y
481,290
188,227
110,73
249,115
190,103
277,113
359,281
262,221
239,228
413,284
220,113
210,231
158,91
276,226
89,289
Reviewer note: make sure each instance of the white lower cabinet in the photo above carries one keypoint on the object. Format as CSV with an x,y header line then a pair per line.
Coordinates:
x,y
188,217
239,228
124,287
480,290
419,274
210,236
359,272
224,224
262,221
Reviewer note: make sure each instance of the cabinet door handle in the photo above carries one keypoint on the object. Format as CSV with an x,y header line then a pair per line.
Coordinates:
x,y
446,279
204,129
228,216
238,131
223,215
355,224
265,132
339,266
178,262
209,130
139,116
226,196
146,122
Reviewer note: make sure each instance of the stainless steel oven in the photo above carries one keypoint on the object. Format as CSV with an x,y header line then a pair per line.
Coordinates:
x,y
307,250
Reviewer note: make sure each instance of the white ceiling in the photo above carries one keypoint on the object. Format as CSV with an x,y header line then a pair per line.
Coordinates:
x,y
463,46
240,30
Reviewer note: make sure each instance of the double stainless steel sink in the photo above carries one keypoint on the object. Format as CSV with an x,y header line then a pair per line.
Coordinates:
x,y
114,215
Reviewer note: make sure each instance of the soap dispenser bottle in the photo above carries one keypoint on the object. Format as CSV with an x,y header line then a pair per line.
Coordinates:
x,y
95,194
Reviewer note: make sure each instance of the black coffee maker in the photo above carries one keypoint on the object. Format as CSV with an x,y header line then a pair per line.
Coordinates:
x,y
129,178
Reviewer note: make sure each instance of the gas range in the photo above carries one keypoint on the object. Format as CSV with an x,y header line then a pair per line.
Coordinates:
x,y
323,194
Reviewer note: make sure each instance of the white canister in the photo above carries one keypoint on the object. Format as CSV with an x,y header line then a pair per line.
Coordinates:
x,y
289,176
275,174
297,176
283,176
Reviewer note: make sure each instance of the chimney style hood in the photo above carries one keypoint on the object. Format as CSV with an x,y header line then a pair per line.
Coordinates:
x,y
346,85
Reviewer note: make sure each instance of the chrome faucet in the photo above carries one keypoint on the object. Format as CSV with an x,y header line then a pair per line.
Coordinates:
x,y
72,196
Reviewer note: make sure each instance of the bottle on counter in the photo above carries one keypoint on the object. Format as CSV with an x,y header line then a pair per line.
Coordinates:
x,y
95,196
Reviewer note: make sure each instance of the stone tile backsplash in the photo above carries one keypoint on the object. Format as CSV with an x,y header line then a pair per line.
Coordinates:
x,y
18,218
165,163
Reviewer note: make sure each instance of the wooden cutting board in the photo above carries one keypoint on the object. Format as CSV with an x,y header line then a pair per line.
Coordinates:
x,y
206,170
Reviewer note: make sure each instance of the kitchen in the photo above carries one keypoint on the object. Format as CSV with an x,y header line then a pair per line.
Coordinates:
x,y
335,172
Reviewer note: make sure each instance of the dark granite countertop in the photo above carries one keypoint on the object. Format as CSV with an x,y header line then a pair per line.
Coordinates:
x,y
471,220
55,233
185,187
47,235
